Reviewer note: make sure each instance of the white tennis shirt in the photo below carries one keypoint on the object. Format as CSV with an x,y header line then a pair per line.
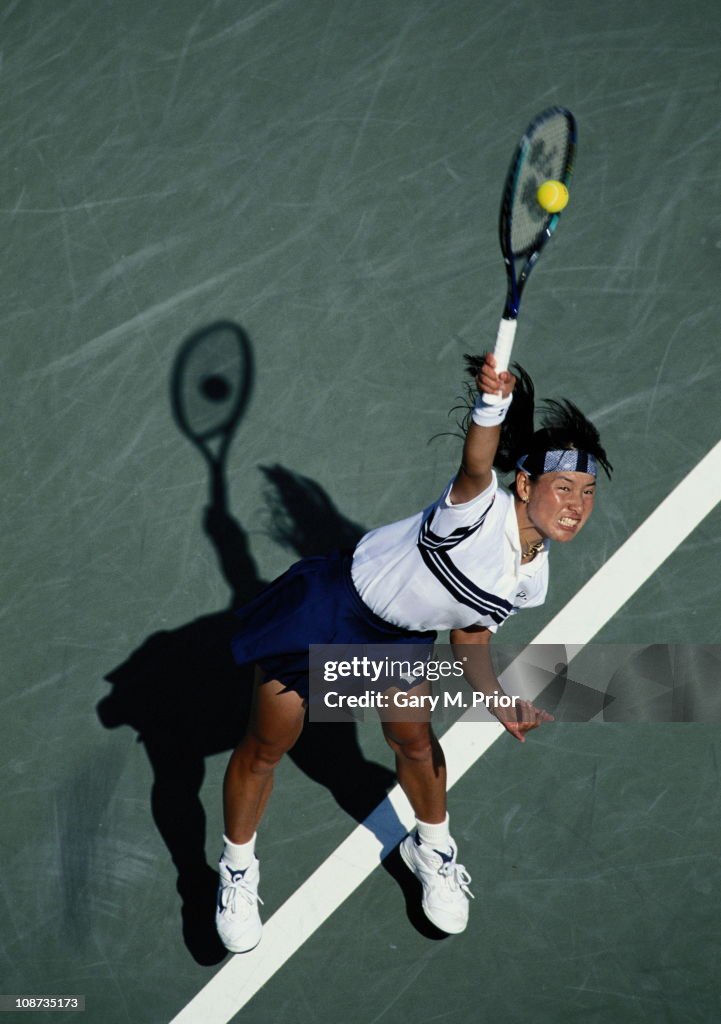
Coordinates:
x,y
450,566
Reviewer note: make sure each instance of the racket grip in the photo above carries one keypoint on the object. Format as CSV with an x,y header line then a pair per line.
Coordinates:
x,y
502,351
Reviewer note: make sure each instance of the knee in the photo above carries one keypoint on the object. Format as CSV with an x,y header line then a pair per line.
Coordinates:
x,y
414,744
260,755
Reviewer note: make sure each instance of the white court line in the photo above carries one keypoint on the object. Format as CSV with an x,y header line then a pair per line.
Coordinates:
x,y
357,857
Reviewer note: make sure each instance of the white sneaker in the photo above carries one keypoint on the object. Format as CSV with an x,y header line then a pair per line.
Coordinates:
x,y
445,883
236,914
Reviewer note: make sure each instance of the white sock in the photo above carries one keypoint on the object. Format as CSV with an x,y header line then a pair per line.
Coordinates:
x,y
239,855
434,835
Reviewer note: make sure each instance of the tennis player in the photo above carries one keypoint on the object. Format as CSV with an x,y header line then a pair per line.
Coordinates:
x,y
474,557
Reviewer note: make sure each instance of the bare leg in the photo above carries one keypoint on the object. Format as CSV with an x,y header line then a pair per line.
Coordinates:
x,y
276,723
421,771
420,766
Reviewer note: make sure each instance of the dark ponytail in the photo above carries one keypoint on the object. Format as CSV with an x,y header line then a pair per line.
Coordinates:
x,y
563,425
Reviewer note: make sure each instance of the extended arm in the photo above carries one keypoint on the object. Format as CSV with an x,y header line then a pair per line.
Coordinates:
x,y
479,449
473,644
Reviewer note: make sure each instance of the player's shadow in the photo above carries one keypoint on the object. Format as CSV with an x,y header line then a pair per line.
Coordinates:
x,y
187,699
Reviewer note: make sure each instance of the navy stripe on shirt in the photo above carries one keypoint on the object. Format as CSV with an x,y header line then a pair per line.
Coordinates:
x,y
434,551
431,540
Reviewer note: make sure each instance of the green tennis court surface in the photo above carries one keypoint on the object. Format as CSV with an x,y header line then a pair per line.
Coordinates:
x,y
326,176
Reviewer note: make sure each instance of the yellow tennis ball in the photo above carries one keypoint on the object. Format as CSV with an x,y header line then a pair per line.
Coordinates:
x,y
552,196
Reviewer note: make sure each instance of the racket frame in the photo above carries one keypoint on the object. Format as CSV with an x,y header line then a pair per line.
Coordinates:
x,y
516,280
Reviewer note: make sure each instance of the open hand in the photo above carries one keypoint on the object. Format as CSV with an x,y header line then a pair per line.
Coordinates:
x,y
521,719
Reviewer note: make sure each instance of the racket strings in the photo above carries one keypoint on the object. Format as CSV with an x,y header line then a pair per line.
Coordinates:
x,y
546,156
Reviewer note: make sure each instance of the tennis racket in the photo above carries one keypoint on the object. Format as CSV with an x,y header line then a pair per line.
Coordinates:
x,y
209,390
545,152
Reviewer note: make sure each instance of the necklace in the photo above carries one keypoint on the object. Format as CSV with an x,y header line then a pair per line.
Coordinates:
x,y
532,550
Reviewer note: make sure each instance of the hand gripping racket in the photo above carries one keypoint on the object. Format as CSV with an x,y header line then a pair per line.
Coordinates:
x,y
209,390
545,153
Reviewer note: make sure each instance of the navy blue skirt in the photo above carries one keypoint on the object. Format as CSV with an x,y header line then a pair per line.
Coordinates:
x,y
314,602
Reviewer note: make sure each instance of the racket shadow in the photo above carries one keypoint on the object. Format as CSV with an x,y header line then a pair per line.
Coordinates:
x,y
186,699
